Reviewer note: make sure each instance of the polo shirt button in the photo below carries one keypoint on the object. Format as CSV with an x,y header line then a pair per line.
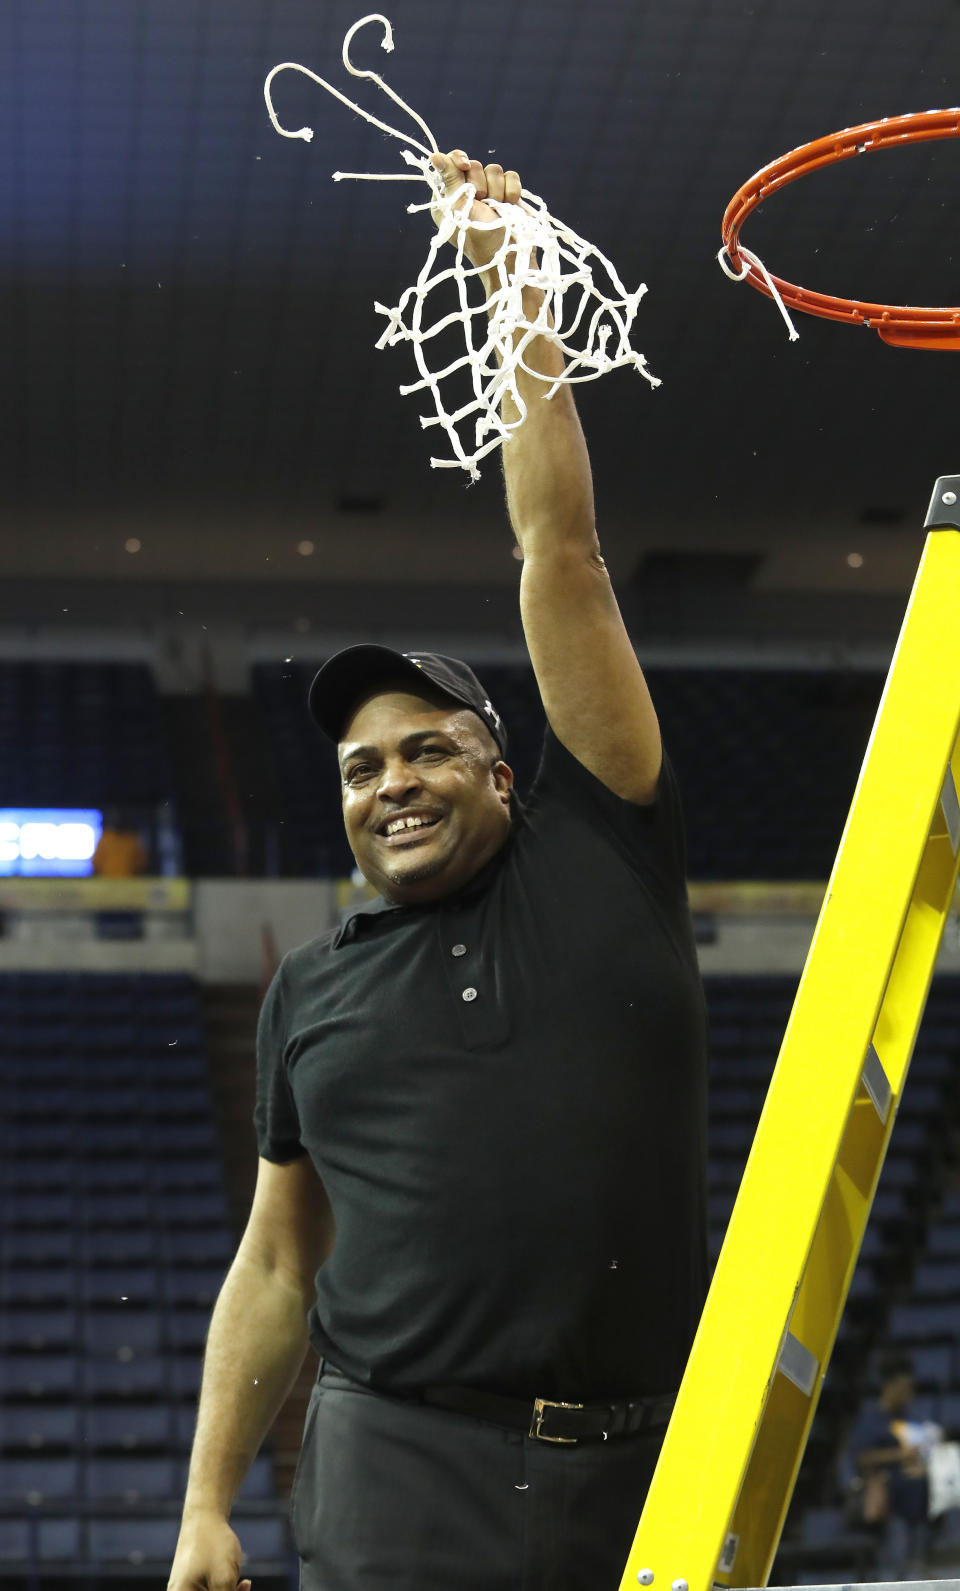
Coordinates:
x,y
469,994
459,950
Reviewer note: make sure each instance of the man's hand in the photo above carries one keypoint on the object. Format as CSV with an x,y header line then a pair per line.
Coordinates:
x,y
490,182
208,1556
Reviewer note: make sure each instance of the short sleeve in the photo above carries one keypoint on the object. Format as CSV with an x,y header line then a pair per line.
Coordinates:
x,y
650,837
275,1114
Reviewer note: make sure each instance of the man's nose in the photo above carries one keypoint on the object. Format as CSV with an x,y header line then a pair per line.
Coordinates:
x,y
397,780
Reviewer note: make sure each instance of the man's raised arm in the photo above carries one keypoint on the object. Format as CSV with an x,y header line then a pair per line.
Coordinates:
x,y
593,689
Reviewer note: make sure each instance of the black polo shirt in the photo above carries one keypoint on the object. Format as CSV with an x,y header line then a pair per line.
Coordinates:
x,y
504,1095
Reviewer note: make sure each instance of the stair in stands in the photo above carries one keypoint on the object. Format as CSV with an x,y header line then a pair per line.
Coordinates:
x,y
208,850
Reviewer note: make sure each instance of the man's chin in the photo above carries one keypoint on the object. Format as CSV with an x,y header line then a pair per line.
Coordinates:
x,y
419,872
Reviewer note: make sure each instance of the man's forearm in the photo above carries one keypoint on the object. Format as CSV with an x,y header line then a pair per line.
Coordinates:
x,y
545,462
255,1347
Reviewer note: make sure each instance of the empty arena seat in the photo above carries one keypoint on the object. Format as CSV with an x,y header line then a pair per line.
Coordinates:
x,y
132,1378
133,1285
943,1240
127,1426
28,1479
37,1284
133,1539
923,1322
25,1540
200,1245
132,1480
938,1278
38,1375
121,1330
38,1425
932,1365
37,1328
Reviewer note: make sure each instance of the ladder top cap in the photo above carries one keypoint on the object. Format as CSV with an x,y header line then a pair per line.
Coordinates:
x,y
944,510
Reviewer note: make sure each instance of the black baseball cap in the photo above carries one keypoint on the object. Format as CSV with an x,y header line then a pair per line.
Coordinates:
x,y
357,670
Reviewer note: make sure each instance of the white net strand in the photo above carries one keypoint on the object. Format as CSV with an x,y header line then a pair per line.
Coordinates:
x,y
306,133
741,276
494,348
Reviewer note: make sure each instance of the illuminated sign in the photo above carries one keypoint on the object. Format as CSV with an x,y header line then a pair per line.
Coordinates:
x,y
48,842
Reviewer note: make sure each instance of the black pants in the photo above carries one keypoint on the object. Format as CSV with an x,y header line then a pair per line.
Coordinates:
x,y
396,1496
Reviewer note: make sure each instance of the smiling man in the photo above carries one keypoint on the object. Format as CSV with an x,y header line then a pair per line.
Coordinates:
x,y
481,1108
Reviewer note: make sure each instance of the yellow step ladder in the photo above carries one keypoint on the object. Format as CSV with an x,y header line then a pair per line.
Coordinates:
x,y
720,1494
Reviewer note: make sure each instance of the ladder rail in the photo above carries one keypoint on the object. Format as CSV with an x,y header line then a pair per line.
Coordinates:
x,y
720,1493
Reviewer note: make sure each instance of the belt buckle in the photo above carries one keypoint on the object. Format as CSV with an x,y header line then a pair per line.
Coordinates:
x,y
540,1406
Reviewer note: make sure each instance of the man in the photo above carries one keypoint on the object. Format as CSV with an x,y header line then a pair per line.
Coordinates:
x,y
481,1109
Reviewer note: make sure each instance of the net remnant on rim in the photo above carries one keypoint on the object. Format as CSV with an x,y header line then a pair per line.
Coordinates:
x,y
594,334
900,325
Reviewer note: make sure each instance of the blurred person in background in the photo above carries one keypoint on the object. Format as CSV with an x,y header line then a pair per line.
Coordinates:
x,y
120,852
887,1457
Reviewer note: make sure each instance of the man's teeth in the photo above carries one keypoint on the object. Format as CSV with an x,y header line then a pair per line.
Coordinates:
x,y
407,823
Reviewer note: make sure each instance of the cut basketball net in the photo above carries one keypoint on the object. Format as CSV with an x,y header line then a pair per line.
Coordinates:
x,y
591,325
901,325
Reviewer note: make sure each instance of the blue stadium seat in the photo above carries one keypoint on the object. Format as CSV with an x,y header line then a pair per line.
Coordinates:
x,y
30,1176
137,1285
131,1480
202,1245
932,1365
127,1426
131,1378
38,1480
38,1209
182,1176
38,1425
37,1284
259,1485
264,1538
186,1328
923,1323
121,1330
943,1240
133,1540
821,1526
117,1245
205,1208
731,1138
123,1208
15,1540
37,1328
196,1285
121,1175
35,1137
939,1278
38,1375
185,1374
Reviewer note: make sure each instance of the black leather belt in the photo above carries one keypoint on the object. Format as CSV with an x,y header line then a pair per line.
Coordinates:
x,y
551,1421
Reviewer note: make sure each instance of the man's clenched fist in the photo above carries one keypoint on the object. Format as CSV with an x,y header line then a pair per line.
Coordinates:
x,y
490,182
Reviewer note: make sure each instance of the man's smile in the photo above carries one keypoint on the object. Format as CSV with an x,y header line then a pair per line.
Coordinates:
x,y
407,828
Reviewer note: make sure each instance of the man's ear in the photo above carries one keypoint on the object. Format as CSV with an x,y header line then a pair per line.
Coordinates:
x,y
503,779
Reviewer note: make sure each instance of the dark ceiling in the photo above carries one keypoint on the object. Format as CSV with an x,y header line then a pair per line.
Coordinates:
x,y
187,299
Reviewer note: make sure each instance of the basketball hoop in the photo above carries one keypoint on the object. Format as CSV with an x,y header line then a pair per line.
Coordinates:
x,y
901,325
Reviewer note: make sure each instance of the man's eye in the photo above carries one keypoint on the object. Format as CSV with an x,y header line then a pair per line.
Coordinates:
x,y
432,751
357,773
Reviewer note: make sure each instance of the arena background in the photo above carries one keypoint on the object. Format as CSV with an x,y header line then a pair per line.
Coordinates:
x,y
209,482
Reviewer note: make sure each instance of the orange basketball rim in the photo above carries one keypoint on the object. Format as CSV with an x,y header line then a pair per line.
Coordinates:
x,y
901,325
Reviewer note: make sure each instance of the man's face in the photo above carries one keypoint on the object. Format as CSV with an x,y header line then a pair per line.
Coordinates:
x,y
425,796
899,1392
